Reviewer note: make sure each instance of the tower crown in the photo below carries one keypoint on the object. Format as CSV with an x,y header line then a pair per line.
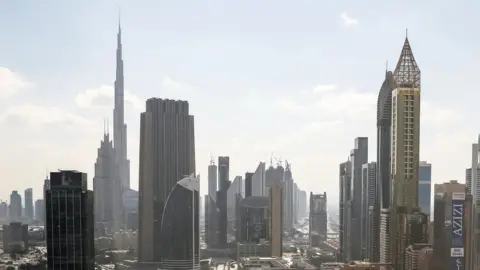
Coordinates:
x,y
407,72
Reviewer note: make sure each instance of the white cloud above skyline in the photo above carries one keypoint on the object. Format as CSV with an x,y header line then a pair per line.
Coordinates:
x,y
348,20
11,82
336,109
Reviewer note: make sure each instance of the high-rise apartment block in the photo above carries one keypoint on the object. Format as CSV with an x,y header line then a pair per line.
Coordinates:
x,y
167,155
69,216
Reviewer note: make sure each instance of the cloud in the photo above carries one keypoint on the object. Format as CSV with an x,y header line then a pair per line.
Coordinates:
x,y
92,97
169,84
35,115
289,106
11,82
322,88
350,103
348,20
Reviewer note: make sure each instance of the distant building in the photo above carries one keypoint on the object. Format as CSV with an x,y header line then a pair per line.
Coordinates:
x,y
107,187
253,217
275,220
345,173
318,219
358,157
288,200
15,237
40,210
68,190
222,199
425,187
15,208
258,181
3,210
29,203
412,255
369,229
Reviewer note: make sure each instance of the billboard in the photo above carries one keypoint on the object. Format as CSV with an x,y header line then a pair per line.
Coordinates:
x,y
457,251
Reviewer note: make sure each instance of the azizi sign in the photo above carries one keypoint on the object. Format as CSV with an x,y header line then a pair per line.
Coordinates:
x,y
457,249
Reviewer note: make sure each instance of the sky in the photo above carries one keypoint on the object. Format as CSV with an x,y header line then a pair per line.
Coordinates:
x,y
294,79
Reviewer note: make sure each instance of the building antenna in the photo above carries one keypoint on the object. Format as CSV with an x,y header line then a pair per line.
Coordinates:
x,y
406,33
108,127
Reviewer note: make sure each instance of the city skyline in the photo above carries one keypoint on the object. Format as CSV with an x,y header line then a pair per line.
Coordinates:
x,y
68,109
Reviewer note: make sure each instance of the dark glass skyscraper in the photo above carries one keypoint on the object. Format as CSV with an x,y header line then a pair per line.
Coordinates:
x,y
69,222
167,155
180,227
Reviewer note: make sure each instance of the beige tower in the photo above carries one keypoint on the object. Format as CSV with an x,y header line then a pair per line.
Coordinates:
x,y
405,150
276,218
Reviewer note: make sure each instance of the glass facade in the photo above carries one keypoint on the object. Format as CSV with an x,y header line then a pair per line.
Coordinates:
x,y
425,188
180,227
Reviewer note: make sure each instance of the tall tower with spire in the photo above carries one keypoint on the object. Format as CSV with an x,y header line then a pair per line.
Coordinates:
x,y
407,223
119,126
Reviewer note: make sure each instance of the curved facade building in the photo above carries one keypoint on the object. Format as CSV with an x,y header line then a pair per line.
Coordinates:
x,y
180,226
384,122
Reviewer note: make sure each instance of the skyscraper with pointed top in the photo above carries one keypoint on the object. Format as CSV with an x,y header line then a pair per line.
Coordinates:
x,y
119,126
405,216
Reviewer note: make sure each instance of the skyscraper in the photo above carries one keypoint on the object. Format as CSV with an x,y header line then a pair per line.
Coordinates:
x,y
29,203
211,209
40,210
180,226
473,186
212,180
318,219
368,219
15,207
119,126
425,187
344,210
69,210
302,204
288,198
223,185
358,157
107,187
258,181
384,124
404,150
167,155
275,209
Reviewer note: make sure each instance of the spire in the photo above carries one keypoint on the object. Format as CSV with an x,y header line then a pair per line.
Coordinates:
x,y
407,72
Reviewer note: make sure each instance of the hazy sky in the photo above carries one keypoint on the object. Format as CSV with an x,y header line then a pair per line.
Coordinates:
x,y
298,79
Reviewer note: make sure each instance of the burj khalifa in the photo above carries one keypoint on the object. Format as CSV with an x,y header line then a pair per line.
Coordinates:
x,y
119,126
